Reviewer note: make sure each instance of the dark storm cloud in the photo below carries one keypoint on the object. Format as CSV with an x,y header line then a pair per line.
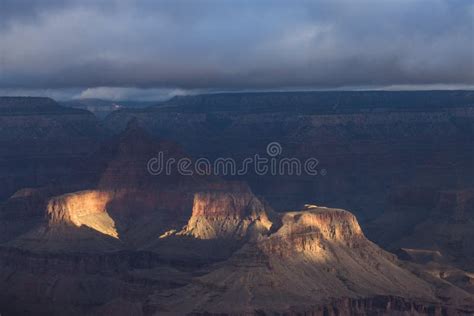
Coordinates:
x,y
30,11
235,44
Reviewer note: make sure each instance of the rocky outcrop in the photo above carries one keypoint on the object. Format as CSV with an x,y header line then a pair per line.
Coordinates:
x,y
316,255
361,139
129,204
316,260
196,244
227,215
88,208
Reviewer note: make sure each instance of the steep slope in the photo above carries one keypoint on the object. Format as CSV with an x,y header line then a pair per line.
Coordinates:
x,y
177,244
425,224
318,255
44,144
86,208
362,139
227,215
448,229
73,222
125,207
313,260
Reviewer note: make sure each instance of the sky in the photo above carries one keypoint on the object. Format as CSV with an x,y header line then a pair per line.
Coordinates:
x,y
152,49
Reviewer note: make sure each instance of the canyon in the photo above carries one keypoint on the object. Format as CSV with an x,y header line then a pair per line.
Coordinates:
x,y
86,229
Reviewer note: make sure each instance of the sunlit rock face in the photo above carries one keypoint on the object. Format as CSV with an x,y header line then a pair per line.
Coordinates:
x,y
293,262
177,245
311,256
308,230
362,139
227,215
88,208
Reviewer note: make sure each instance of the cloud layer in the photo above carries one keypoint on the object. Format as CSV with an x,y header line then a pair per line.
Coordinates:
x,y
235,44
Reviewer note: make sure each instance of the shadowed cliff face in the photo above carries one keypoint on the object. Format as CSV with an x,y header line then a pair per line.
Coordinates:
x,y
387,163
44,144
306,258
126,206
313,256
368,150
201,244
193,244
446,229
